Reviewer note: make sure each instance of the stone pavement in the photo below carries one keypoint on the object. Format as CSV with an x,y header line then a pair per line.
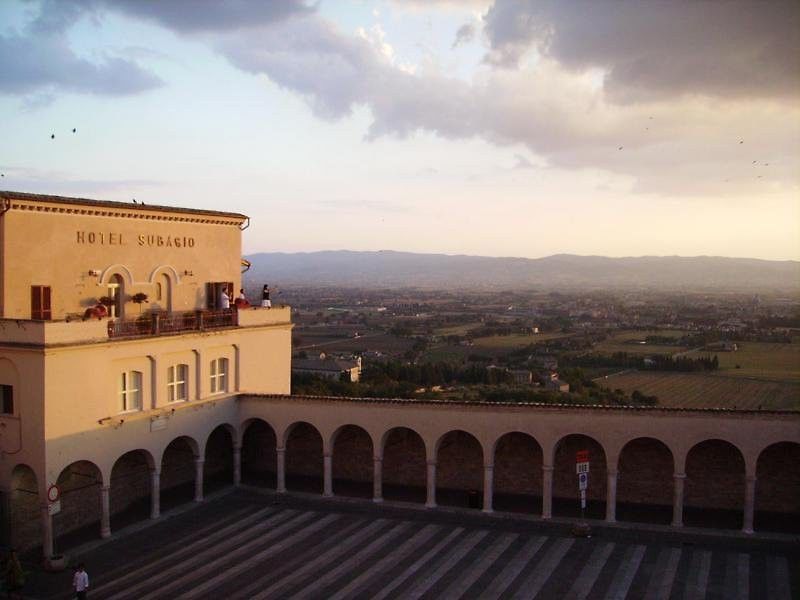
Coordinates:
x,y
242,545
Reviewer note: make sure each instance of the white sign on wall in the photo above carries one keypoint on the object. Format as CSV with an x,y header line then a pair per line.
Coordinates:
x,y
54,508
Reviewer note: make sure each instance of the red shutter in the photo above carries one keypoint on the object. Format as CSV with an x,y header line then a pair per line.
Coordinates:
x,y
40,303
47,313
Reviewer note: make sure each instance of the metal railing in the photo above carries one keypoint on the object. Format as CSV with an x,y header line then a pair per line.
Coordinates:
x,y
157,323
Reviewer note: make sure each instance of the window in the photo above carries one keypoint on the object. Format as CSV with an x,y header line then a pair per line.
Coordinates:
x,y
177,383
130,391
219,375
6,399
40,303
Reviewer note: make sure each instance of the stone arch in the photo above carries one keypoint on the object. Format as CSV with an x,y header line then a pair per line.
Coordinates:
x,y
259,453
218,457
404,465
517,458
117,269
566,497
644,481
178,471
130,487
80,483
352,451
777,499
304,462
459,469
714,488
24,508
163,278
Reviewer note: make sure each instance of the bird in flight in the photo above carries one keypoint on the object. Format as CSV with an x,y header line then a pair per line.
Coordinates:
x,y
620,148
74,129
52,136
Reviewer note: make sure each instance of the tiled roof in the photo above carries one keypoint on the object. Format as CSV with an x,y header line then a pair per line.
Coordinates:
x,y
10,195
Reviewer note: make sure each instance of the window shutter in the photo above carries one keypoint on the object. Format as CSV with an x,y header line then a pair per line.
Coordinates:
x,y
47,313
36,302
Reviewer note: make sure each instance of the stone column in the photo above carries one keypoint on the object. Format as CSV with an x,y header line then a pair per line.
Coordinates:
x,y
327,487
237,465
678,480
155,493
611,497
198,479
377,479
105,515
47,531
488,488
749,503
431,500
281,483
547,491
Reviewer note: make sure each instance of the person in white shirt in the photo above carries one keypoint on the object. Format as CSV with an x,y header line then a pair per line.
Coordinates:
x,y
80,581
224,299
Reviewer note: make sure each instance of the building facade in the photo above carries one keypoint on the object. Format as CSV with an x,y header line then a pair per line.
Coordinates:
x,y
82,387
126,384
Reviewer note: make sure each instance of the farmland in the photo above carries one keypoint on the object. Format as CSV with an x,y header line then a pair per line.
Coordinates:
x,y
776,362
700,390
632,342
516,340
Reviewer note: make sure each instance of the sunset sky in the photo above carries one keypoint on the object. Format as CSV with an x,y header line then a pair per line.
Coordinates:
x,y
504,128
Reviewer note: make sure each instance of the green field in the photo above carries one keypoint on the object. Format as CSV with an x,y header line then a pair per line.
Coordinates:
x,y
620,341
456,329
701,390
763,360
516,340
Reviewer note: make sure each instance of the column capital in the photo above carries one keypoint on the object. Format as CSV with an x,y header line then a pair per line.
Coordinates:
x,y
327,454
750,478
199,460
679,475
280,450
431,463
488,467
612,472
156,471
105,488
548,468
377,459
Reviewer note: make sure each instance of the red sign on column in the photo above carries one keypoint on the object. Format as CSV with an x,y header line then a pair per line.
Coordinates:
x,y
582,456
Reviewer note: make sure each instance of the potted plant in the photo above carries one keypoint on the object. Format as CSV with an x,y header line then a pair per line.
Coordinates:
x,y
139,298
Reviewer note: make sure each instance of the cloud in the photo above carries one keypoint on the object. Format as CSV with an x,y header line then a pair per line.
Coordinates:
x,y
33,64
563,115
738,48
464,35
39,60
193,16
39,181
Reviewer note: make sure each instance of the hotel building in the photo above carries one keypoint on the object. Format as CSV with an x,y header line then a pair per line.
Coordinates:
x,y
126,384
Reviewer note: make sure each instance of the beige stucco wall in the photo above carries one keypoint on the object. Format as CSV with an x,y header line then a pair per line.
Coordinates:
x,y
43,244
612,428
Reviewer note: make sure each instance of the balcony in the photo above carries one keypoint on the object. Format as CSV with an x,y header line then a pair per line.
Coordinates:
x,y
162,322
48,333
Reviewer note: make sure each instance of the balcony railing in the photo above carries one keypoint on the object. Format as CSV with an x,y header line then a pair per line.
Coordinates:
x,y
162,322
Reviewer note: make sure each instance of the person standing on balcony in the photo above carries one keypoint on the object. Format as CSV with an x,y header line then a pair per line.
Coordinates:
x,y
265,301
224,299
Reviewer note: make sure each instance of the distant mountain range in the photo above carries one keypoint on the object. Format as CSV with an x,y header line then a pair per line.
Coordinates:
x,y
440,271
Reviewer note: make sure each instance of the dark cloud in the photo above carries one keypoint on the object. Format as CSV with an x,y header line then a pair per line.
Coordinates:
x,y
742,48
190,16
563,115
31,64
464,35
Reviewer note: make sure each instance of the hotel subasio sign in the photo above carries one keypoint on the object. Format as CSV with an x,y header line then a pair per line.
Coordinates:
x,y
110,238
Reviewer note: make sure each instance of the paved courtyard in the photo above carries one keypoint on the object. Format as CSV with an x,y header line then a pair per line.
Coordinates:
x,y
242,545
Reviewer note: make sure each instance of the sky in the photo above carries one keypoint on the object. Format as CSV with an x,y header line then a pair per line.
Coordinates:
x,y
486,127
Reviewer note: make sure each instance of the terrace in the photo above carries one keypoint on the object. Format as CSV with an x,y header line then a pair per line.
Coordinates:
x,y
27,332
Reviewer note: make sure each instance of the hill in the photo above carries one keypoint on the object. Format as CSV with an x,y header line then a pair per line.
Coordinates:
x,y
405,269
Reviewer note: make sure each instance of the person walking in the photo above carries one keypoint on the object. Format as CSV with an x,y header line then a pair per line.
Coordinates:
x,y
80,582
265,301
14,576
